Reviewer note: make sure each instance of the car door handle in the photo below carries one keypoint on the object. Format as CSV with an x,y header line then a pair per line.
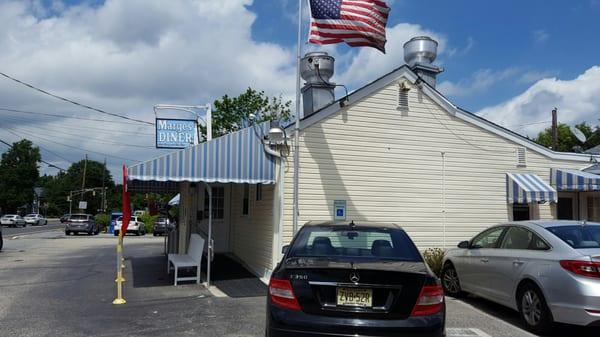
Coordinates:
x,y
484,260
517,262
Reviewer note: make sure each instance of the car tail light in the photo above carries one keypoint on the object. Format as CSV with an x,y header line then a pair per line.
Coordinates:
x,y
430,301
584,268
282,294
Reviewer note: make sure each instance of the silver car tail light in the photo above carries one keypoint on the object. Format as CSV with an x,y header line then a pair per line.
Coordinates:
x,y
584,268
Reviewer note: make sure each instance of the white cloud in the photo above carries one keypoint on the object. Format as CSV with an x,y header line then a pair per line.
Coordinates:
x,y
124,57
455,52
368,63
540,36
478,82
577,100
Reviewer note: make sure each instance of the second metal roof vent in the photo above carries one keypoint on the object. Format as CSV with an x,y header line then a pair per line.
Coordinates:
x,y
419,54
317,69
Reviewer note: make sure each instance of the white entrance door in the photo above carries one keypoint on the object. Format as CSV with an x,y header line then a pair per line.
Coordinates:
x,y
220,223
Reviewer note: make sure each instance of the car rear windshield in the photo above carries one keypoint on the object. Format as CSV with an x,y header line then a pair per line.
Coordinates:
x,y
579,236
31,215
79,217
355,242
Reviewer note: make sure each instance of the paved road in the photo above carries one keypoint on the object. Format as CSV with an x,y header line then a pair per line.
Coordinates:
x,y
54,285
53,225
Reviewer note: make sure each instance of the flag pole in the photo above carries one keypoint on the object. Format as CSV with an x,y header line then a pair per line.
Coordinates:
x,y
297,127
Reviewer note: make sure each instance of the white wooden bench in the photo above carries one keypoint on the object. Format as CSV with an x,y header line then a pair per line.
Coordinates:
x,y
193,258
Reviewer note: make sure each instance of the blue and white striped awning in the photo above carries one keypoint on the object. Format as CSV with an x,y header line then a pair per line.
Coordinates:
x,y
238,157
525,188
573,180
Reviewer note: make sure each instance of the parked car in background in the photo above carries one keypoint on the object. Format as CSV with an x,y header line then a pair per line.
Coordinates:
x,y
12,220
82,223
35,220
136,226
354,279
162,226
65,218
139,213
549,271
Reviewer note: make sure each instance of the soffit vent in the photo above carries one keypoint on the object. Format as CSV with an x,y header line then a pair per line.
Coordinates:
x,y
521,157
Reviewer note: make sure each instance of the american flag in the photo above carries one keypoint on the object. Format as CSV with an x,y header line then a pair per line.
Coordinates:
x,y
359,23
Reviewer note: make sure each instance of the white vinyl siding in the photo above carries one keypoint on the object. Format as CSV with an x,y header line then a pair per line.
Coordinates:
x,y
251,238
388,166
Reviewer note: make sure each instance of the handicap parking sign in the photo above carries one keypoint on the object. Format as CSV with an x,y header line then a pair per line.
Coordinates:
x,y
339,209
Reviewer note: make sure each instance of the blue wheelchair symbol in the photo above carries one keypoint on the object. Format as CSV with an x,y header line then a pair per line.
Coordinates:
x,y
340,212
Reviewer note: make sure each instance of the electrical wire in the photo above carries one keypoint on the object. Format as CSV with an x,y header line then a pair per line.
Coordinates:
x,y
43,161
73,102
97,140
46,127
64,116
74,147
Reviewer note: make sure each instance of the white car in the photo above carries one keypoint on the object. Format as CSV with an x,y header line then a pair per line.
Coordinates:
x,y
35,220
12,220
136,226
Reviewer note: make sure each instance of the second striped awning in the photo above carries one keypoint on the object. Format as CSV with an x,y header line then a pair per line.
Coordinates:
x,y
525,188
573,180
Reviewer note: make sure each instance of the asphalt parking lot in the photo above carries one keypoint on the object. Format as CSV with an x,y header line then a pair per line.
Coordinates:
x,y
53,285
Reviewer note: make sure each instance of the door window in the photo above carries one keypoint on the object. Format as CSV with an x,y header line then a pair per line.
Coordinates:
x,y
488,239
593,206
218,203
521,238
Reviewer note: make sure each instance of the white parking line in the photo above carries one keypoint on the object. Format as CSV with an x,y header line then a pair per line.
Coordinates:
x,y
465,332
523,332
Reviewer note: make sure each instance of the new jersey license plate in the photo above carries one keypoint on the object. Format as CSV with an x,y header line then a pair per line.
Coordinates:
x,y
355,297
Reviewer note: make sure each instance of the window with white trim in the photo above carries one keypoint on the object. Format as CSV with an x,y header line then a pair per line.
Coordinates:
x,y
218,203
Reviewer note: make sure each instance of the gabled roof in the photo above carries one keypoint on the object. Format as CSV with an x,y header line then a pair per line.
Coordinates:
x,y
405,72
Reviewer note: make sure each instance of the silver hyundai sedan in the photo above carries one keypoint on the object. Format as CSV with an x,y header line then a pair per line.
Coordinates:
x,y
547,270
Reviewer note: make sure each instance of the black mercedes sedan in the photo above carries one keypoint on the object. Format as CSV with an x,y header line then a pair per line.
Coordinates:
x,y
354,279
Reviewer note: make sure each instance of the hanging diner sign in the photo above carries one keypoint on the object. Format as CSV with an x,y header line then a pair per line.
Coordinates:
x,y
175,133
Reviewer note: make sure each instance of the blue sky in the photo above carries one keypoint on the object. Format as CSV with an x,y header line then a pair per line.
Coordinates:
x,y
509,61
540,37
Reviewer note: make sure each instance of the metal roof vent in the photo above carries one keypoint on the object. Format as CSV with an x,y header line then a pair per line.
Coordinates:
x,y
316,69
419,54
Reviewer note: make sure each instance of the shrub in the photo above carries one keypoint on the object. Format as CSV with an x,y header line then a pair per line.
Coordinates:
x,y
102,220
433,258
148,221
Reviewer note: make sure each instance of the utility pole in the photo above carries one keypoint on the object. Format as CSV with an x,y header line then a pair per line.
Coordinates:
x,y
83,179
103,203
555,129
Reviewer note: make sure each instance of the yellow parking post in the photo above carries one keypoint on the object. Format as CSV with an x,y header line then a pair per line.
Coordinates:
x,y
120,279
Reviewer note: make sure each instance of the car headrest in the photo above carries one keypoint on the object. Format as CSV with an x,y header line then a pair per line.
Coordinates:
x,y
322,246
382,248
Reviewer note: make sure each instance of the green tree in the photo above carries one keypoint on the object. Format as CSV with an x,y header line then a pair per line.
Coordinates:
x,y
19,172
57,188
232,113
567,140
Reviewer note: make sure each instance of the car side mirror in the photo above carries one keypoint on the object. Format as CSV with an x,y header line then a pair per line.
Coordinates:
x,y
464,245
285,249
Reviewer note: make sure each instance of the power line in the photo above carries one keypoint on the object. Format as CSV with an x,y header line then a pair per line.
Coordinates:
x,y
97,140
73,102
64,116
104,130
43,161
74,147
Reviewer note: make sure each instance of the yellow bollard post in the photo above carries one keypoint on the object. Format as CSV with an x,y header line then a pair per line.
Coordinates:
x,y
120,279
